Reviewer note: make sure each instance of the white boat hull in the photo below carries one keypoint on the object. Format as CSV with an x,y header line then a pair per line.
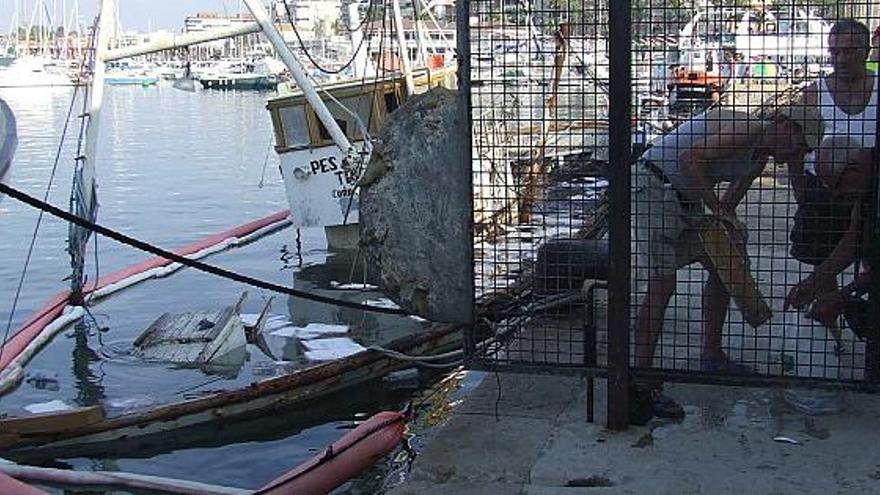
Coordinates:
x,y
320,187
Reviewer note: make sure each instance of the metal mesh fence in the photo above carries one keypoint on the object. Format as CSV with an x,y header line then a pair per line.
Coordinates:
x,y
751,192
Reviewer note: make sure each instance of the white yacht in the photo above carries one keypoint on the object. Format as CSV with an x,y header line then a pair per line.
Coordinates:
x,y
31,71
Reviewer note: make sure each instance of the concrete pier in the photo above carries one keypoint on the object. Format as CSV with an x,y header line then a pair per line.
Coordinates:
x,y
732,440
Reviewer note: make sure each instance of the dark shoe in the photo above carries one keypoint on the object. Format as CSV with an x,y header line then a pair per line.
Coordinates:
x,y
641,404
646,402
665,407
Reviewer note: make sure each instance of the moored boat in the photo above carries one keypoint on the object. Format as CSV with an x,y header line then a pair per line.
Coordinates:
x,y
319,180
129,79
96,431
238,81
257,75
31,71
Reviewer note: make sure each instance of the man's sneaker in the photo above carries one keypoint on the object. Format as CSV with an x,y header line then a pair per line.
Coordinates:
x,y
641,404
665,407
646,402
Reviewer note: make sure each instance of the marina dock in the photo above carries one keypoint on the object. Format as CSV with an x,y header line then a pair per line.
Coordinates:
x,y
527,435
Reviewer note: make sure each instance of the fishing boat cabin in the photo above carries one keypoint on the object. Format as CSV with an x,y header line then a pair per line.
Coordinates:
x,y
319,182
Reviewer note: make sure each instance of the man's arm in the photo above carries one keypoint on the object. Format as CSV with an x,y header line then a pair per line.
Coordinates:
x,y
842,256
738,188
704,152
828,307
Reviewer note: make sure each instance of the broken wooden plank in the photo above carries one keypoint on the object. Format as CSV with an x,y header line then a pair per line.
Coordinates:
x,y
52,421
733,269
199,337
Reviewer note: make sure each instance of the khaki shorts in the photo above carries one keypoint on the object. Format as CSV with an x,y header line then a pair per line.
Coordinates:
x,y
664,231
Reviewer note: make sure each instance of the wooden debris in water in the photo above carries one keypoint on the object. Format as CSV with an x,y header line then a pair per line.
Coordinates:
x,y
199,337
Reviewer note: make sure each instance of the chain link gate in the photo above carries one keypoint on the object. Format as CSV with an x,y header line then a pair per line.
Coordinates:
x,y
748,248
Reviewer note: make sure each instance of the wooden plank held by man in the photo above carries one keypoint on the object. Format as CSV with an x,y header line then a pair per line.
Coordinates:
x,y
726,250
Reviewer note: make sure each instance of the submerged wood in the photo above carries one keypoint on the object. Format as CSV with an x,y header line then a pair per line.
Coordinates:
x,y
64,420
199,337
260,397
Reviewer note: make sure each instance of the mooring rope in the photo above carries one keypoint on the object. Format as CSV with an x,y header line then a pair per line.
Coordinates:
x,y
183,260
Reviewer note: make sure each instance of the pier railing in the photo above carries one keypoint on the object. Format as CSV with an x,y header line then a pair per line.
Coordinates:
x,y
737,249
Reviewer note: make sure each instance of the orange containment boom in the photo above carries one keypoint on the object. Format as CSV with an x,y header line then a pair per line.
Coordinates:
x,y
11,486
359,449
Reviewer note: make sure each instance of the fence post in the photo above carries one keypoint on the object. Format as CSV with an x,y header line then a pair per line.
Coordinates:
x,y
463,57
619,141
872,344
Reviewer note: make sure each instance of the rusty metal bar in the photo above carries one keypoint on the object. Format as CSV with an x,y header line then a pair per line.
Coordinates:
x,y
463,37
872,347
619,138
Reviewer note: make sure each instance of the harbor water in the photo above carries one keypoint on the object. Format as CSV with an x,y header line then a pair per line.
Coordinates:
x,y
174,167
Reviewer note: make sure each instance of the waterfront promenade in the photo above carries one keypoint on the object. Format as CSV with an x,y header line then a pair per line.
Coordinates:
x,y
733,440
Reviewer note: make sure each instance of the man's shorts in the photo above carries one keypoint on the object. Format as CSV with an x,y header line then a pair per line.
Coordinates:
x,y
819,223
664,230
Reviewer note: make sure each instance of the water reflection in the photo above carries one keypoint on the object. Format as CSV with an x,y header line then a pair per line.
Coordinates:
x,y
89,385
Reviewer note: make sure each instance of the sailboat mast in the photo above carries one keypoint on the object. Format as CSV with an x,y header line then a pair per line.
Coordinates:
x,y
420,33
357,36
404,52
85,204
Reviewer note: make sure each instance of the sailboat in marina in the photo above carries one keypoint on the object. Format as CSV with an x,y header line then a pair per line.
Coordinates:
x,y
34,72
33,61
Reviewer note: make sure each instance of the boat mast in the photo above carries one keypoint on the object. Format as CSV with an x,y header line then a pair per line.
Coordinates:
x,y
84,202
420,32
357,36
404,52
296,70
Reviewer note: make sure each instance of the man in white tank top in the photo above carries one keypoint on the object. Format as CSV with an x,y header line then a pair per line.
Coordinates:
x,y
826,226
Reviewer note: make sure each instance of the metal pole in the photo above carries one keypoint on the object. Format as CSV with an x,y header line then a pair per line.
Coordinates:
x,y
180,41
619,151
872,346
357,36
466,136
420,32
404,52
296,70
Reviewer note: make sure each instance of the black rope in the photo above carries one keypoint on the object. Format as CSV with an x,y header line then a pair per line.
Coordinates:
x,y
183,260
314,62
30,251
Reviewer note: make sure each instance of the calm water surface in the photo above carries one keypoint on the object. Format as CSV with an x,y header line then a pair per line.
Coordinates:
x,y
174,167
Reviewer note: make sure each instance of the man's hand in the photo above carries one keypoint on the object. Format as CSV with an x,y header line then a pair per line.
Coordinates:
x,y
804,292
827,308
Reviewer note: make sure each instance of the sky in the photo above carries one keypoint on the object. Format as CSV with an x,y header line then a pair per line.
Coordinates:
x,y
136,15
